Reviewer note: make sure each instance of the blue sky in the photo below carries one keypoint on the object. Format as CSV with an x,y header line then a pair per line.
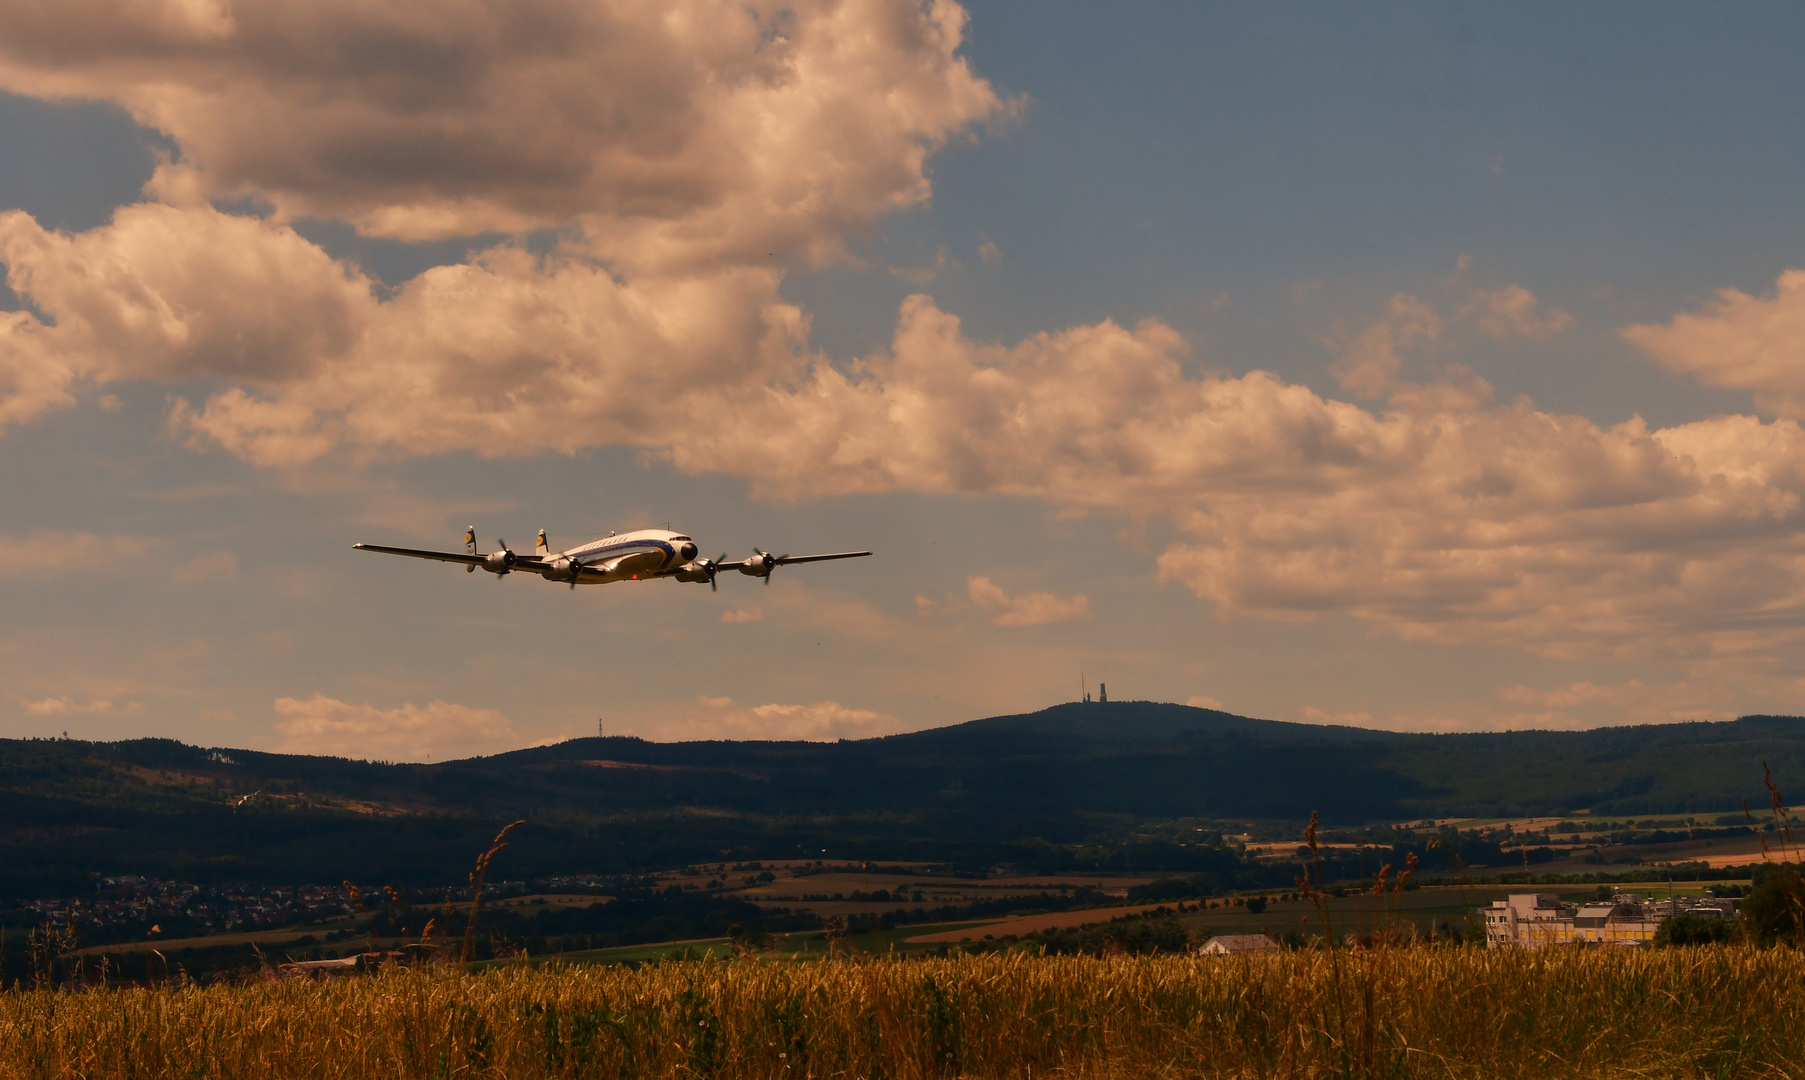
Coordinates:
x,y
1127,210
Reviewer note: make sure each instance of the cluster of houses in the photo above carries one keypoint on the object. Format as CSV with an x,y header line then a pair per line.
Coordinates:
x,y
129,903
130,900
1532,920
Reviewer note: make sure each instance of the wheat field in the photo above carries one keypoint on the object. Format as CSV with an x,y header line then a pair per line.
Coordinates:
x,y
1407,1012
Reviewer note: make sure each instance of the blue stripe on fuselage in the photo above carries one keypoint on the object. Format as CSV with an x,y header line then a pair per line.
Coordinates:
x,y
600,551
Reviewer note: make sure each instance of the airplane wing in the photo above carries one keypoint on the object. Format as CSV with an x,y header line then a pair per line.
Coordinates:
x,y
788,560
763,562
521,562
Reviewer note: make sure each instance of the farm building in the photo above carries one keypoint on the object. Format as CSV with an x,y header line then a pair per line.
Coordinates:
x,y
1235,944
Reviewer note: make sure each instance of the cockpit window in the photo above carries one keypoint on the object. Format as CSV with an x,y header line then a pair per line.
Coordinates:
x,y
680,538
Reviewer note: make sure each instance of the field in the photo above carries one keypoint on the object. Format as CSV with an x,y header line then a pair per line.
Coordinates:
x,y
1423,1012
831,892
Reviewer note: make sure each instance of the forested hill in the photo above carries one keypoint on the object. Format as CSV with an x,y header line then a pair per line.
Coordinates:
x,y
1065,776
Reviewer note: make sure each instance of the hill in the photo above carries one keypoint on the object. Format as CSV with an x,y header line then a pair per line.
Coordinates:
x,y
1072,783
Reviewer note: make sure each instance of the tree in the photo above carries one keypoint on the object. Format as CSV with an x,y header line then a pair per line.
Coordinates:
x,y
1256,904
1775,907
1688,928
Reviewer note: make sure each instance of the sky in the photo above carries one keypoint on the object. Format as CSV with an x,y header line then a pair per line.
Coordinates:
x,y
1425,367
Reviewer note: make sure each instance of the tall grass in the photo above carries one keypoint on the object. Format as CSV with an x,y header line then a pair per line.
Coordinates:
x,y
1420,1012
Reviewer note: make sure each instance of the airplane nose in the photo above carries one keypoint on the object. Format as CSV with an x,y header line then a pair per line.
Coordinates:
x,y
687,551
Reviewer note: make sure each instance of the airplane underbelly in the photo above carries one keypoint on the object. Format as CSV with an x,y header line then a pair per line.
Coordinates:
x,y
637,564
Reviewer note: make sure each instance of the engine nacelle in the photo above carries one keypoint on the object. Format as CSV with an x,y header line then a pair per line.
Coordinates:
x,y
563,570
499,562
696,571
759,565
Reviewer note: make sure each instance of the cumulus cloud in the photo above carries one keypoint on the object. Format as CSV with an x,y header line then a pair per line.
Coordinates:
x,y
1443,517
1712,689
1027,609
723,718
681,149
1368,362
65,706
1634,702
672,134
1513,311
742,615
48,553
511,354
440,730
1741,342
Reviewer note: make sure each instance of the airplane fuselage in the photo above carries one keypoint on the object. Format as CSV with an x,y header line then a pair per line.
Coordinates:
x,y
633,556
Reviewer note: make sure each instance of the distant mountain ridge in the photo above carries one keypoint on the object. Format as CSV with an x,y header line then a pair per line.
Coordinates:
x,y
1156,722
994,788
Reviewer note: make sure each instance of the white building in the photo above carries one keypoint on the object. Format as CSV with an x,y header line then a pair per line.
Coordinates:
x,y
1237,944
1532,920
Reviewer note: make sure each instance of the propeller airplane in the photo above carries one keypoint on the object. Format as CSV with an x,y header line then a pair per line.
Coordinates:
x,y
634,556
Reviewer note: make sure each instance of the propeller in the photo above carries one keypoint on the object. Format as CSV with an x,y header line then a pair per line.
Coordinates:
x,y
500,562
714,567
767,562
576,571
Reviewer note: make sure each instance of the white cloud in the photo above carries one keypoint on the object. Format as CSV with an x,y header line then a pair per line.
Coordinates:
x,y
687,150
742,615
1367,363
1741,342
1708,690
64,706
676,134
1444,517
1513,311
50,553
1200,701
440,730
1027,609
723,718
510,354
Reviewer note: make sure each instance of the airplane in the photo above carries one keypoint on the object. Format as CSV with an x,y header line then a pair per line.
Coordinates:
x,y
635,556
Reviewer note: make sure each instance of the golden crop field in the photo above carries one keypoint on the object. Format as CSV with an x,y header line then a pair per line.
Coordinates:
x,y
1416,1012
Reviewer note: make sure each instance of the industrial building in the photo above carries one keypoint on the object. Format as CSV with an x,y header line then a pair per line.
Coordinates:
x,y
1532,920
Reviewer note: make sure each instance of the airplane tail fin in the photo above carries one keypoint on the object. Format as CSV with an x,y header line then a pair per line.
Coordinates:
x,y
542,549
470,540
